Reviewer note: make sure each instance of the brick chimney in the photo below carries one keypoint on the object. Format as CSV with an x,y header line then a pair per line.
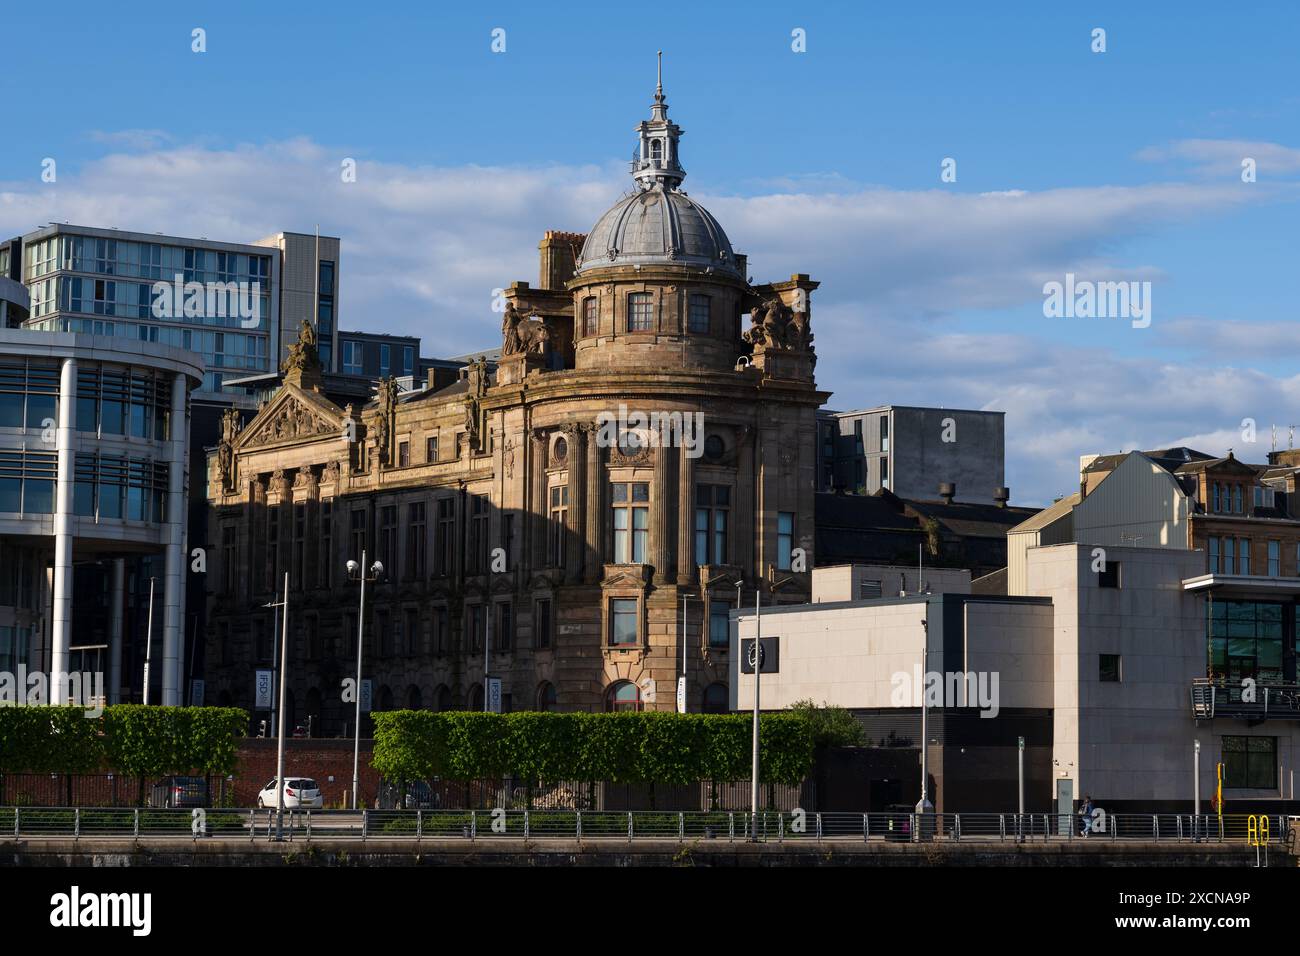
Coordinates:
x,y
559,257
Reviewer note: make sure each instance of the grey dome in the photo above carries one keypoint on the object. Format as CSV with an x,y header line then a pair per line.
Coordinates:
x,y
658,226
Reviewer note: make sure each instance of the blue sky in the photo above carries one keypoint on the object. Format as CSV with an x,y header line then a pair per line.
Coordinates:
x,y
1115,165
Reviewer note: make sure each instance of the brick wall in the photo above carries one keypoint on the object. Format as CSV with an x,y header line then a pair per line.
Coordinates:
x,y
318,759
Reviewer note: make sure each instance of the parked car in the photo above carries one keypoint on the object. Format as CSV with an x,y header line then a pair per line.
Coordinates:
x,y
178,791
416,795
300,793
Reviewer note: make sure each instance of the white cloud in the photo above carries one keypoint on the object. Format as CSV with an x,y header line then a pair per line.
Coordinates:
x,y
424,246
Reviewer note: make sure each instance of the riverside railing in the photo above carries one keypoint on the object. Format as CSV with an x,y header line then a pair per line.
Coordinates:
x,y
87,823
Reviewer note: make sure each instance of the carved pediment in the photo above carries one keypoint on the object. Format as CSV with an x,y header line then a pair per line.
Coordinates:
x,y
288,417
627,576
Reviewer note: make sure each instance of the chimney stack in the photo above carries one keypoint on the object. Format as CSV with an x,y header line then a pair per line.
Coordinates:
x,y
1002,495
948,491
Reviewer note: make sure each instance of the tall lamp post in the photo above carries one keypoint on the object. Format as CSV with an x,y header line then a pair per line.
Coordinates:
x,y
356,573
279,732
681,681
924,805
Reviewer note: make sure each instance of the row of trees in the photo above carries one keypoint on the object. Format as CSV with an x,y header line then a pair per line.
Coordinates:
x,y
129,739
620,748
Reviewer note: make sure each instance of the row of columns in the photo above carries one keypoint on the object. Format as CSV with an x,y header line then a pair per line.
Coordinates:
x,y
174,551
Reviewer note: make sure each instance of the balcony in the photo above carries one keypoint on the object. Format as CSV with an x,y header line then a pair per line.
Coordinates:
x,y
1215,698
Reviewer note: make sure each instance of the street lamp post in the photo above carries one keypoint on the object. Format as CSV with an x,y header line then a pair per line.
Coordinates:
x,y
681,681
148,643
924,805
355,572
1196,789
279,732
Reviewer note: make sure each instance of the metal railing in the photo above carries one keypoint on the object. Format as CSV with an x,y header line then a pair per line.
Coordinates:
x,y
1218,698
773,826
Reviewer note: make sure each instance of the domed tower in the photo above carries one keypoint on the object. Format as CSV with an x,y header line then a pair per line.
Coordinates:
x,y
657,282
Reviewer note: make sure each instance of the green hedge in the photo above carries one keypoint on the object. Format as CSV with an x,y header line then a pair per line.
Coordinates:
x,y
128,738
620,748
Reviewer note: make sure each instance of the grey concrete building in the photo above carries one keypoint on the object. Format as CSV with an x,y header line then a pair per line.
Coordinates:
x,y
1110,677
911,451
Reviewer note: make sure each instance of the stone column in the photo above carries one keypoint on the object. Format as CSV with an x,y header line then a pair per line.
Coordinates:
x,y
540,504
594,525
686,569
660,546
575,545
61,627
116,604
174,566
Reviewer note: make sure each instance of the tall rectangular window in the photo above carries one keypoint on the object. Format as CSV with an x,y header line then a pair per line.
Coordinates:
x,y
884,472
698,316
411,632
408,360
445,542
640,312
542,623
508,540
299,541
712,510
1229,555
478,534
441,635
403,454
631,513
504,637
556,532
325,564
622,622
384,627
431,449
358,530
388,538
1274,559
1214,489
1243,556
884,433
590,317
1215,567
784,539
416,541
1238,500
385,360
719,626
477,627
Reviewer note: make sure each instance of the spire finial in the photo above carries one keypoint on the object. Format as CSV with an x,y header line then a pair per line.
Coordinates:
x,y
659,84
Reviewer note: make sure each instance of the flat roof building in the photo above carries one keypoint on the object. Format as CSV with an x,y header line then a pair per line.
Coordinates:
x,y
93,441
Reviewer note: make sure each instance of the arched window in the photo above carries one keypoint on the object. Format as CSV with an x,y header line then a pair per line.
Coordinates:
x,y
716,699
623,696
656,149
476,699
546,696
414,699
444,697
385,698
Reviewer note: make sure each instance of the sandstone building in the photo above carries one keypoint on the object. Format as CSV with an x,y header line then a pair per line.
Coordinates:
x,y
508,511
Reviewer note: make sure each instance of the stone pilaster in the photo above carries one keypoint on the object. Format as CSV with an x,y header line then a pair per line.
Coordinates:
x,y
574,436
594,525
686,569
660,543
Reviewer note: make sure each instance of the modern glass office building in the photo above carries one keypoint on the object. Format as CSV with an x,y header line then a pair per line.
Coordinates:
x,y
215,298
94,433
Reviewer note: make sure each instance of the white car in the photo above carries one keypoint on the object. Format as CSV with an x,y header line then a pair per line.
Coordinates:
x,y
300,793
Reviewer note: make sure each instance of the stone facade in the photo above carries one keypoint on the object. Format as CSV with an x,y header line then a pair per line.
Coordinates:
x,y
511,510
